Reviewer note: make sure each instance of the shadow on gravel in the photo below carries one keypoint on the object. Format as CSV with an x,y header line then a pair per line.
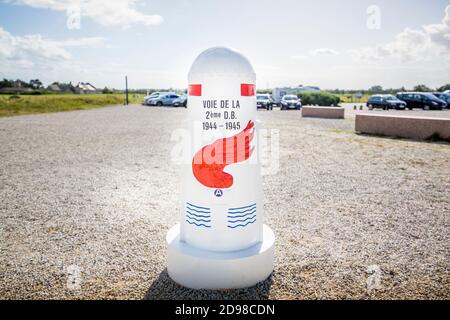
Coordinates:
x,y
435,138
164,288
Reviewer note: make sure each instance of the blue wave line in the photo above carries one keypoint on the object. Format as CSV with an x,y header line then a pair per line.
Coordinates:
x,y
198,225
247,210
197,215
241,225
199,220
200,211
238,208
196,206
249,218
243,215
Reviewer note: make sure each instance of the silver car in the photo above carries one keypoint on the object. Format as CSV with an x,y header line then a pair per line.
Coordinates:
x,y
151,96
163,100
155,95
181,101
264,101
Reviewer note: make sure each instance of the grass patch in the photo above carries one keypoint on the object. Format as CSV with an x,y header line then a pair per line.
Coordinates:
x,y
11,105
348,98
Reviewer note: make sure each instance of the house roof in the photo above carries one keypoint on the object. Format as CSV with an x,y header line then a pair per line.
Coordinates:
x,y
86,86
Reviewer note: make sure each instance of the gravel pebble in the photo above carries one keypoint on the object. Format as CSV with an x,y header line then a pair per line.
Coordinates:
x,y
86,199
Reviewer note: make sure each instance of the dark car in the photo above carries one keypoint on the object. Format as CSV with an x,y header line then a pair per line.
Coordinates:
x,y
421,100
264,101
443,96
290,101
385,102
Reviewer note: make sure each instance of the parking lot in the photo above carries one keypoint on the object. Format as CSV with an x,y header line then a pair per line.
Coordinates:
x,y
86,199
350,112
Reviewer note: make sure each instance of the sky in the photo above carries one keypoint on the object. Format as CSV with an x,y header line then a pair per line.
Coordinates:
x,y
346,44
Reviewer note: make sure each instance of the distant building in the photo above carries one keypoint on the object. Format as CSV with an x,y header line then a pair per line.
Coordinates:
x,y
85,87
61,87
54,88
278,93
308,88
15,87
18,84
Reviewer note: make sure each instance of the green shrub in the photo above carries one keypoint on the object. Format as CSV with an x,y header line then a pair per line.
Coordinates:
x,y
319,98
106,90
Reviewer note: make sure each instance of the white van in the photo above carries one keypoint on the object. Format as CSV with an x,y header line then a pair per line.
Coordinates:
x,y
279,93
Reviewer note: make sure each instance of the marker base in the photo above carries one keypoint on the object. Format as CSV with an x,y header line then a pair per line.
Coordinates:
x,y
202,269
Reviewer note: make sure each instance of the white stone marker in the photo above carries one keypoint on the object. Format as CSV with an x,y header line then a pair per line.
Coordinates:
x,y
221,242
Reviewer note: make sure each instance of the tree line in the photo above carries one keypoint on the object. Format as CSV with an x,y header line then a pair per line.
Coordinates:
x,y
380,89
32,84
36,84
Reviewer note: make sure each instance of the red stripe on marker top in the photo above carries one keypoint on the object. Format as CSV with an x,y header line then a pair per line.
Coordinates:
x,y
195,90
247,89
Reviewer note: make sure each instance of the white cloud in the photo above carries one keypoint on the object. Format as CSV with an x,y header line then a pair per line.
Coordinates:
x,y
106,12
440,33
411,45
324,52
35,51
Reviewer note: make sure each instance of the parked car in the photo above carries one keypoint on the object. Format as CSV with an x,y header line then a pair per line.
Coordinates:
x,y
443,96
264,101
163,100
421,100
155,95
181,101
152,96
385,102
290,101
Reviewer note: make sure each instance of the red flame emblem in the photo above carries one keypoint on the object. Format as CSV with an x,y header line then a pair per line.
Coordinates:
x,y
210,161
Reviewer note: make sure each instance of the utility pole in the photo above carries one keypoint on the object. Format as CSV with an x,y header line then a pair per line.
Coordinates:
x,y
126,90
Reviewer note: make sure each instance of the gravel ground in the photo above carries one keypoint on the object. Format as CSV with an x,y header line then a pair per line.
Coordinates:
x,y
86,199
